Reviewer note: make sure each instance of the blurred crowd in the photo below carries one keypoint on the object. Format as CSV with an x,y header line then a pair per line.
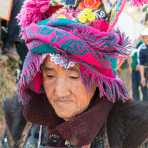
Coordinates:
x,y
134,71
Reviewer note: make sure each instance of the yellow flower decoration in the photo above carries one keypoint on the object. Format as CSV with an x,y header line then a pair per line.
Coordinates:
x,y
86,15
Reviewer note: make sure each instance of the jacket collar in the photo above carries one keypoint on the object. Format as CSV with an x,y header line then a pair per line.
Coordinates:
x,y
79,131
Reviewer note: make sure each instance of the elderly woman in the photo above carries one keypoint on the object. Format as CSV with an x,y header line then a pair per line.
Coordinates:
x,y
68,83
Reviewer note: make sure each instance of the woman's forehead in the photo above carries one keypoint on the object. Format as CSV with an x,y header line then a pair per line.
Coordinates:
x,y
50,65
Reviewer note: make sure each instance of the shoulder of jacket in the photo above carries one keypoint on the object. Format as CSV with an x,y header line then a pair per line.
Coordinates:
x,y
126,119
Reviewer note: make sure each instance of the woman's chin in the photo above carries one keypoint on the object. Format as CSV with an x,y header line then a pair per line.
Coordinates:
x,y
66,115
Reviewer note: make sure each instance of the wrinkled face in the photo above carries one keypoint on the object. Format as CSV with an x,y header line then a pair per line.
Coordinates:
x,y
65,90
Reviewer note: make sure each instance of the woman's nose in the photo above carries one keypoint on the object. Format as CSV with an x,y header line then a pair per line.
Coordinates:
x,y
61,88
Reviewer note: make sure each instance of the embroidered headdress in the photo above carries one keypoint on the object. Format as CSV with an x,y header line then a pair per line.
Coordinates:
x,y
79,31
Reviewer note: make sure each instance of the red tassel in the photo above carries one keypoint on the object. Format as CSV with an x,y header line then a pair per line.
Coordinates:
x,y
139,2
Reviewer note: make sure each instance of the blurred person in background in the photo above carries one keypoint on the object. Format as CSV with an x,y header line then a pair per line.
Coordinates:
x,y
135,74
143,64
124,72
13,45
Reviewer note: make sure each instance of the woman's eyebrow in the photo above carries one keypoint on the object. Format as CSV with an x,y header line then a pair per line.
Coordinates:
x,y
48,68
75,69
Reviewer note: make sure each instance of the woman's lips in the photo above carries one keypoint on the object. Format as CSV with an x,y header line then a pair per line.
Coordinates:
x,y
63,101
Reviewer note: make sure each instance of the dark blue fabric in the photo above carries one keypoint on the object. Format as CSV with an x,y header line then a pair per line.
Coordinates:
x,y
144,93
143,55
143,58
135,85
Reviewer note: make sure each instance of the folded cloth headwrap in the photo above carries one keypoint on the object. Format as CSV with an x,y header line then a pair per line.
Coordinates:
x,y
91,44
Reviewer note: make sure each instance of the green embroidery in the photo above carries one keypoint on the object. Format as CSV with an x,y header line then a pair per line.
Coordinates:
x,y
45,30
44,48
74,47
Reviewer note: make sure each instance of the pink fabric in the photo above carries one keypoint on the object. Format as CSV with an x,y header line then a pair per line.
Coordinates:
x,y
80,43
139,2
92,45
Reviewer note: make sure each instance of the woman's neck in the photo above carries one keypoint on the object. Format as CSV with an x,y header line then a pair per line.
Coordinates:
x,y
86,146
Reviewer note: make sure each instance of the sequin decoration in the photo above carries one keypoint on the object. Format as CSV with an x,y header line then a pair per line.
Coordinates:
x,y
61,61
100,14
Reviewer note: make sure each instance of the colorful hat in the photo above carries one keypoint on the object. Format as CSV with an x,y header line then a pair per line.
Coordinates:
x,y
79,31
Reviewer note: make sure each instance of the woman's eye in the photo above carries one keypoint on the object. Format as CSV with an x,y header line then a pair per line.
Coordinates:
x,y
74,77
50,76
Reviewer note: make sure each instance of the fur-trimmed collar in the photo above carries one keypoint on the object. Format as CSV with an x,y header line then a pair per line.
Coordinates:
x,y
79,131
